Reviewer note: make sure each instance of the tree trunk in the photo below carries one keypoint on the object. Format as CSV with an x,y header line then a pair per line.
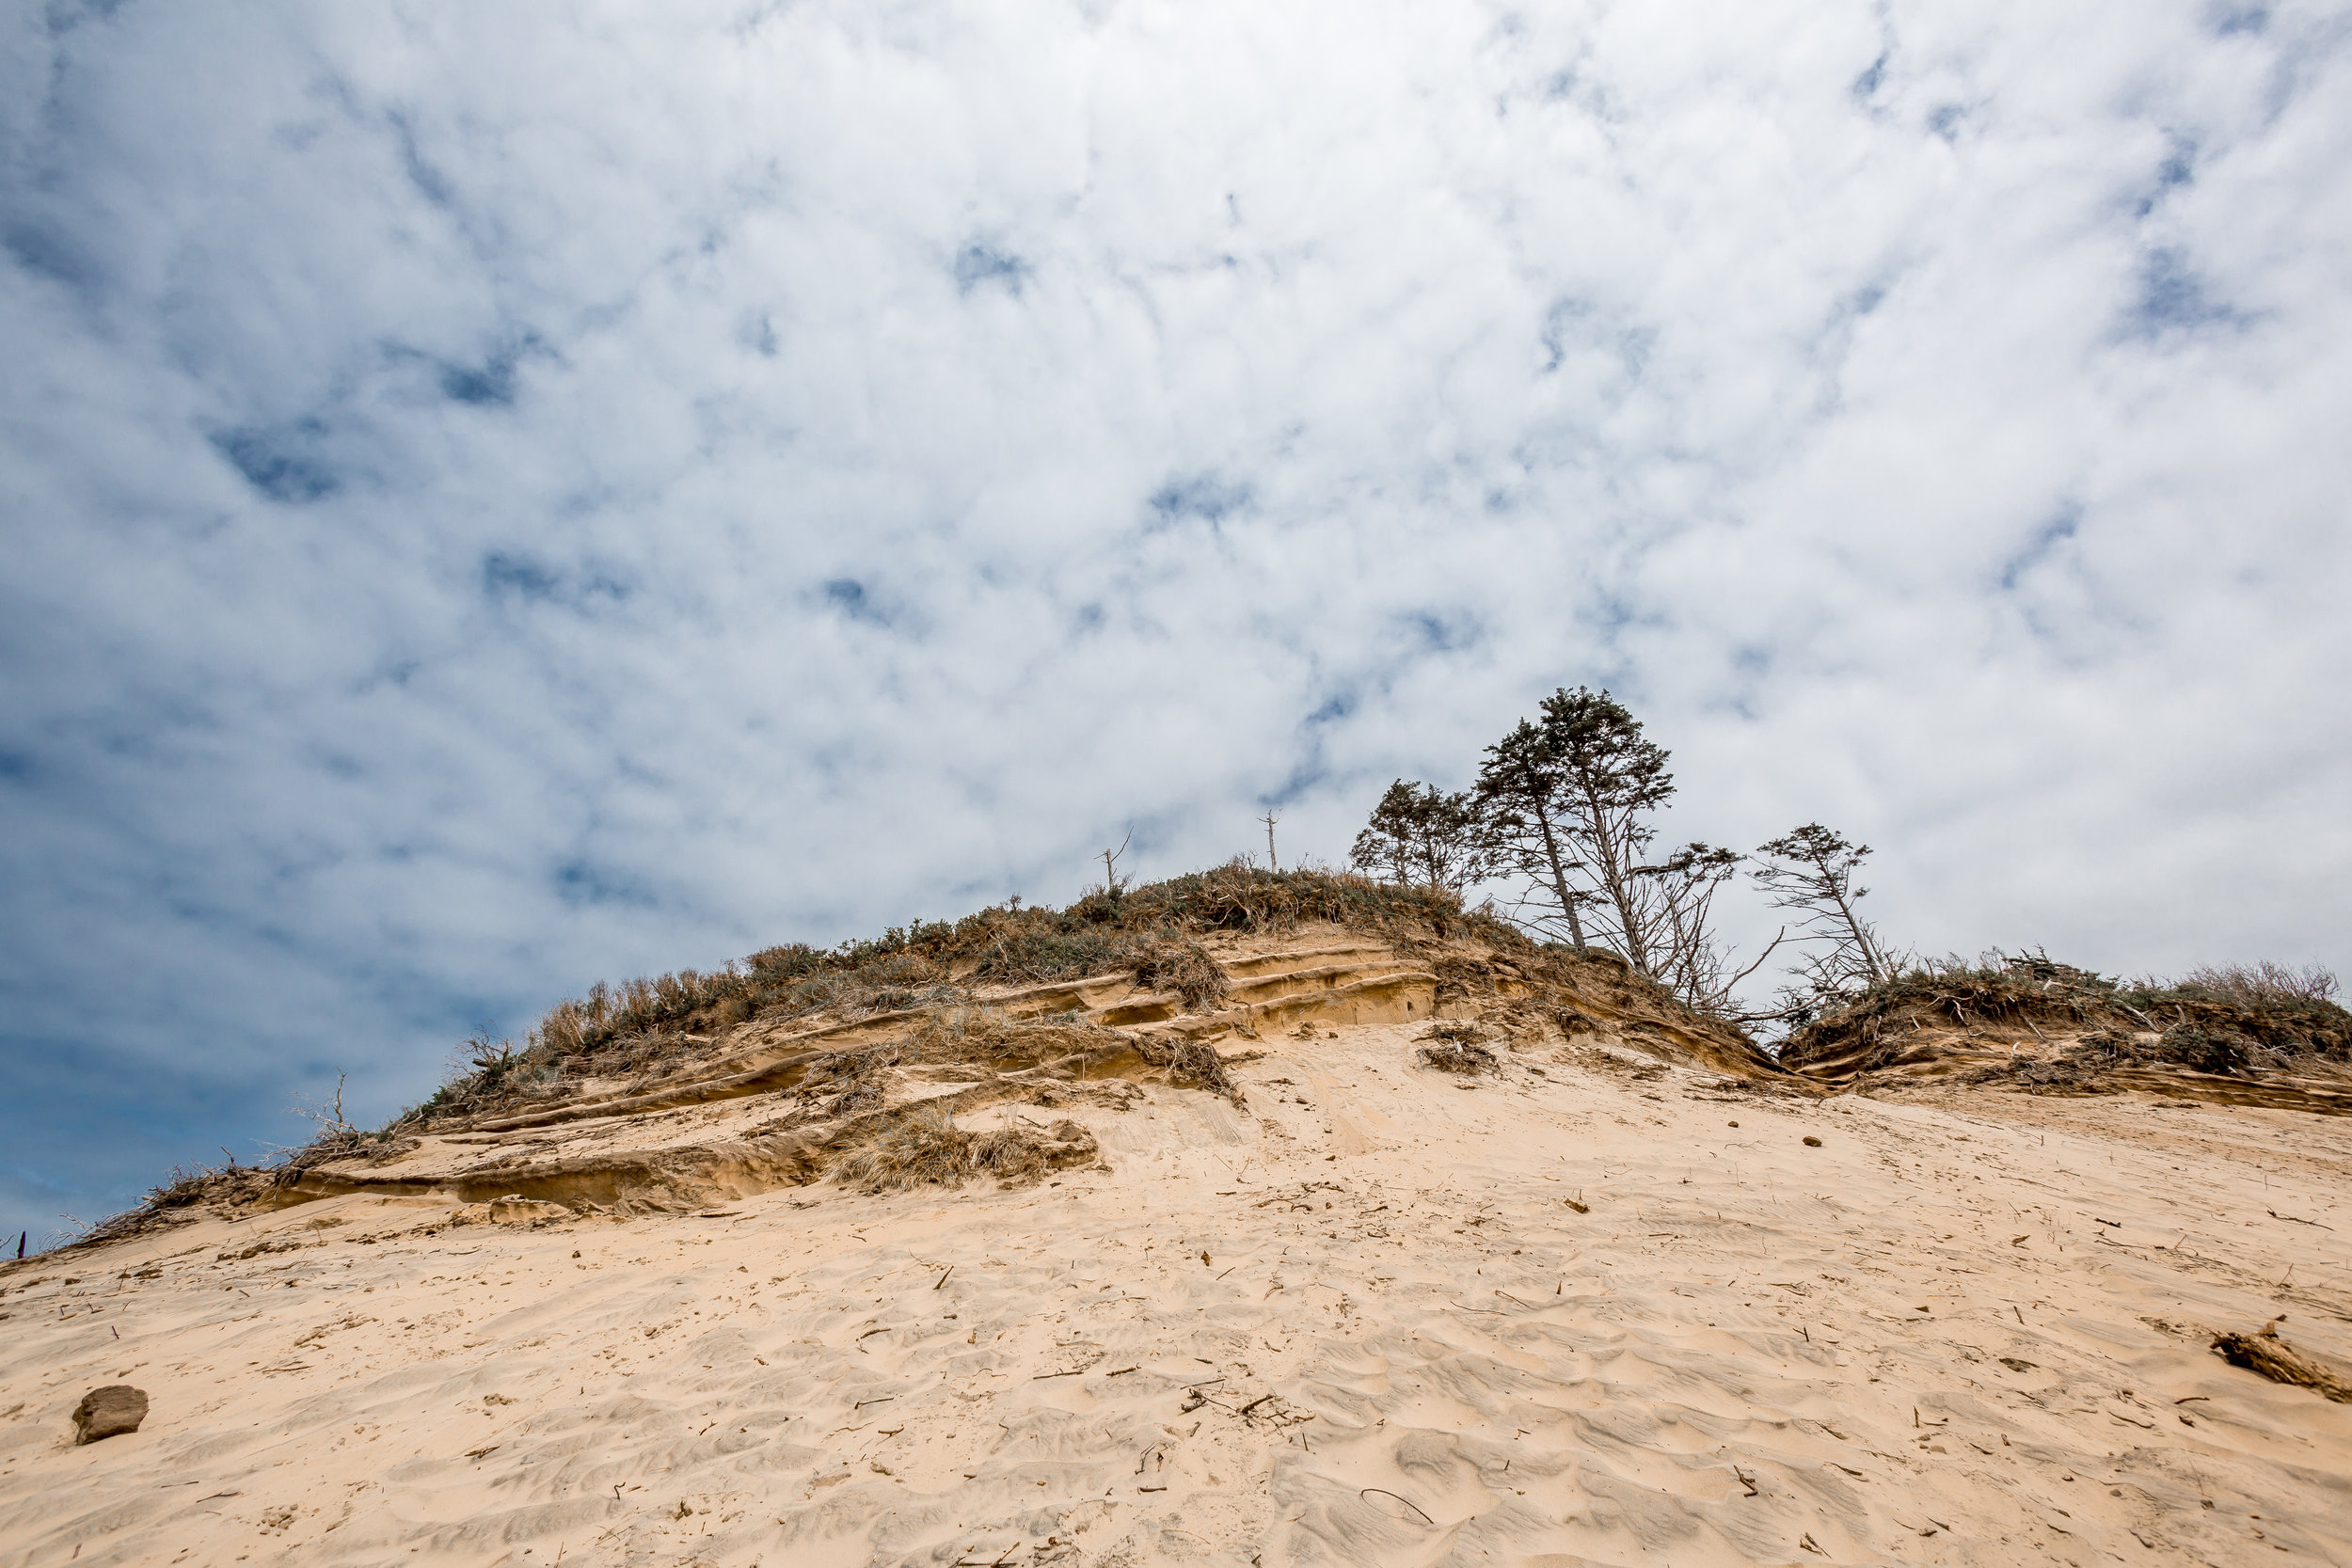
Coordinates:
x,y
1560,876
1609,842
1861,939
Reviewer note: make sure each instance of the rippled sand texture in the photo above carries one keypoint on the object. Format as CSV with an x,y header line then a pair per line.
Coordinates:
x,y
1358,1322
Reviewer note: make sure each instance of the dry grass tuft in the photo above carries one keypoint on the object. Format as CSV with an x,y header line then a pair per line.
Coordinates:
x,y
856,1077
1456,1045
982,1035
1192,1064
1181,965
927,1148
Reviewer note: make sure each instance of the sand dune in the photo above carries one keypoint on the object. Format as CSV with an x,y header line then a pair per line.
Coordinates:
x,y
1361,1321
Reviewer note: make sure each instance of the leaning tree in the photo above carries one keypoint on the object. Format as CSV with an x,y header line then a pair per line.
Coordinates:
x,y
1571,798
1810,872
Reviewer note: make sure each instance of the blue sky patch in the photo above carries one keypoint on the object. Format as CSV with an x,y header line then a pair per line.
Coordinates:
x,y
282,461
2059,527
853,599
491,385
976,264
1206,496
2173,297
581,882
1865,86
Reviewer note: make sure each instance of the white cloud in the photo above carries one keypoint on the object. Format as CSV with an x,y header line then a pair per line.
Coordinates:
x,y
495,502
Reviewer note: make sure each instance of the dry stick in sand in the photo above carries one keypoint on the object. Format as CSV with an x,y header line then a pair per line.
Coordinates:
x,y
1409,1503
2267,1354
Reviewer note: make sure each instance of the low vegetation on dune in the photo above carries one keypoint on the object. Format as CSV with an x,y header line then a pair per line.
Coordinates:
x,y
2225,1021
1152,932
938,976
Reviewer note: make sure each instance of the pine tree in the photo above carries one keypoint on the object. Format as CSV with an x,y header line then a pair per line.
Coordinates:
x,y
1570,800
1418,834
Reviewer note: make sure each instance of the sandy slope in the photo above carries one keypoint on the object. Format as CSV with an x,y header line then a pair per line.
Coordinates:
x,y
1357,1323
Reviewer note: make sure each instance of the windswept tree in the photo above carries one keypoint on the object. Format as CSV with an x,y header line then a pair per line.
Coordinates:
x,y
1810,872
1571,796
1570,800
1616,779
1523,796
1419,835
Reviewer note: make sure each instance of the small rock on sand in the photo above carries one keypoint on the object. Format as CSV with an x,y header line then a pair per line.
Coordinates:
x,y
109,1411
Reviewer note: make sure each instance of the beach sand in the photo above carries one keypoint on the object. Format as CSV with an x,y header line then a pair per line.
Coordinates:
x,y
1578,1310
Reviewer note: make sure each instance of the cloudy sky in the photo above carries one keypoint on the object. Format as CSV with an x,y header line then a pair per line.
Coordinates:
x,y
493,502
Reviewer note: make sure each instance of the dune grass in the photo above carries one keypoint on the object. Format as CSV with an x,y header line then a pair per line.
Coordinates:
x,y
2211,1020
1150,931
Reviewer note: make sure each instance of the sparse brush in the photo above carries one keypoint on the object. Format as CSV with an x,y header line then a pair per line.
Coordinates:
x,y
2263,982
184,1187
903,971
929,1149
2213,1020
968,1032
1456,1045
1192,1064
1571,1024
2199,1050
577,1028
1181,965
1035,949
855,1076
895,984
861,1096
1016,1156
977,1033
1456,1056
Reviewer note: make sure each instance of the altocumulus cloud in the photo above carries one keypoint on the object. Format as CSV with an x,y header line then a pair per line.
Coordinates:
x,y
496,499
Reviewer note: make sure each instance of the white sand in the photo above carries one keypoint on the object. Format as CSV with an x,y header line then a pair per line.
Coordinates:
x,y
1967,1328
